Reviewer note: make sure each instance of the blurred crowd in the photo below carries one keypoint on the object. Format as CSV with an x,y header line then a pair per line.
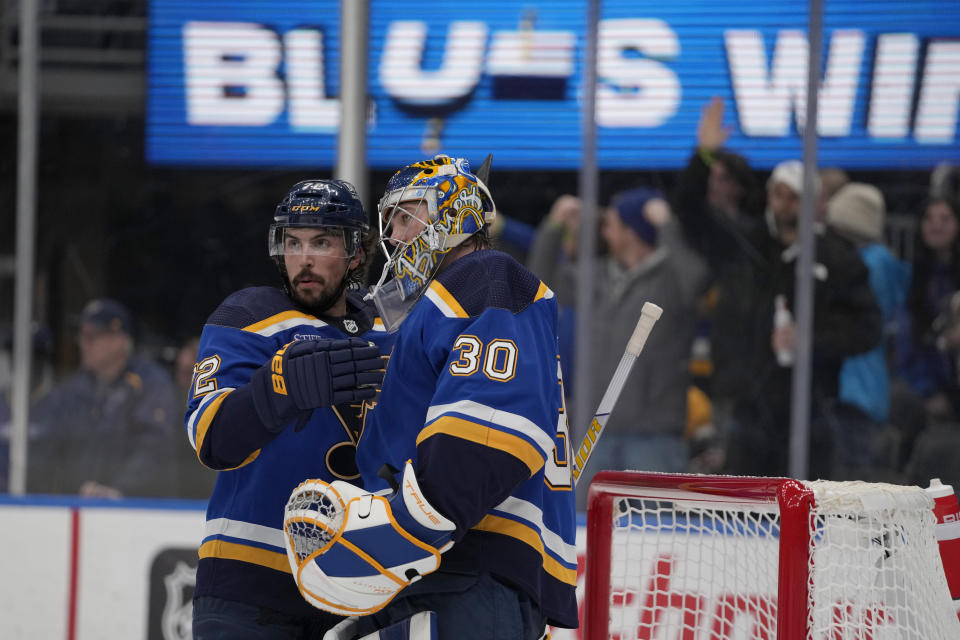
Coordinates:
x,y
712,390
114,427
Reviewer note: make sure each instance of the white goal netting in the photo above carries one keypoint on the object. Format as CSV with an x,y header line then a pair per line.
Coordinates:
x,y
858,562
875,569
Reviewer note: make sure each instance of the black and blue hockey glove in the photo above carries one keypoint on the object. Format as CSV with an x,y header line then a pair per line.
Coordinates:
x,y
309,374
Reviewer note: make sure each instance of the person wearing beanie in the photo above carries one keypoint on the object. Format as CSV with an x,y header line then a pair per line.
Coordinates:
x,y
646,260
628,226
753,262
857,211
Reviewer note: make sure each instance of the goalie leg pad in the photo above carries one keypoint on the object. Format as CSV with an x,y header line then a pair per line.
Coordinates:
x,y
351,552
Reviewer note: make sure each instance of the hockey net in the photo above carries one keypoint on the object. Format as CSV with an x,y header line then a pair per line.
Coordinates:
x,y
692,557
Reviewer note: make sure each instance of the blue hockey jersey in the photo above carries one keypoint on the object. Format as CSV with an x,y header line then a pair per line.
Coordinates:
x,y
242,556
473,396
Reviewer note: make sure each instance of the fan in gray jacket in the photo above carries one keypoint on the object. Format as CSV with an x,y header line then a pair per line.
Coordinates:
x,y
646,261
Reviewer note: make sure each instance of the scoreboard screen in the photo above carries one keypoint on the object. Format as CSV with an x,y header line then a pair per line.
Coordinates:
x,y
256,82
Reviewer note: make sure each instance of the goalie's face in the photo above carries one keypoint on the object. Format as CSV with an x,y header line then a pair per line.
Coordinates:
x,y
406,221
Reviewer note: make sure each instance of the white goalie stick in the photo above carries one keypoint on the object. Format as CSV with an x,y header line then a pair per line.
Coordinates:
x,y
649,315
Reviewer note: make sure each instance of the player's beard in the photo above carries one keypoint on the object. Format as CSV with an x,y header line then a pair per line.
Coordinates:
x,y
317,303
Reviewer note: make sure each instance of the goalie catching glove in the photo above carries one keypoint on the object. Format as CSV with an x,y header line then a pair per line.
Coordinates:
x,y
352,551
309,374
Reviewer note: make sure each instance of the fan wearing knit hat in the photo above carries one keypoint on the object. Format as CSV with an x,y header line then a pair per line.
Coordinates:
x,y
857,212
647,260
641,210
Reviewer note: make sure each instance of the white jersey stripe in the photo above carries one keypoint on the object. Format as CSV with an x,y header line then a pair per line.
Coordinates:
x,y
530,513
290,323
510,421
440,304
244,531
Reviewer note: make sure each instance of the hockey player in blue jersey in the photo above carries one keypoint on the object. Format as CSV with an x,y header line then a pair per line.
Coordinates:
x,y
280,390
476,523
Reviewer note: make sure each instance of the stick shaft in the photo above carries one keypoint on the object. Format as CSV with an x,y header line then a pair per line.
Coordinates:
x,y
649,315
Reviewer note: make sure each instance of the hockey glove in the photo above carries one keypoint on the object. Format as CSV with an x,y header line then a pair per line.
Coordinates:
x,y
308,374
351,551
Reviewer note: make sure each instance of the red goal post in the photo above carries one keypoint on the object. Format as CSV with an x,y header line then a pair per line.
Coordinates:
x,y
690,557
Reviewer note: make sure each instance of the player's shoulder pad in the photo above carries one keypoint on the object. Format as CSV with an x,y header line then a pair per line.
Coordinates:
x,y
491,279
249,306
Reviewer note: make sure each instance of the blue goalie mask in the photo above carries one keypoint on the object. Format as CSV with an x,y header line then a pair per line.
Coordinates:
x,y
429,208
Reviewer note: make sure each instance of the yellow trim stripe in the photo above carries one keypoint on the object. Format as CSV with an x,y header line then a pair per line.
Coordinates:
x,y
528,536
250,458
448,298
280,317
203,425
460,428
542,290
244,553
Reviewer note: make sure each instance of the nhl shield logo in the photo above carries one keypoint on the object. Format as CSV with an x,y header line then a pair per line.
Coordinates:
x,y
177,619
350,325
173,575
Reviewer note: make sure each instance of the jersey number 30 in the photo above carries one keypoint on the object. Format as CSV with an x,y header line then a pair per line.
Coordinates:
x,y
498,361
498,358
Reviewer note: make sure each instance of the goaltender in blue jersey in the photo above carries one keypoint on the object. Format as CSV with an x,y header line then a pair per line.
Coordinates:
x,y
478,524
282,384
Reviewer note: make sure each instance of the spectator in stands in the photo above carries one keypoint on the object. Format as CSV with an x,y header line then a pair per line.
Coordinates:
x,y
717,192
757,263
929,339
935,454
512,236
857,212
707,449
945,181
183,364
831,181
109,430
716,178
193,480
647,261
41,381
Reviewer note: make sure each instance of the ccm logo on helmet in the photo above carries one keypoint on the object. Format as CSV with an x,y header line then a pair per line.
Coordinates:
x,y
306,207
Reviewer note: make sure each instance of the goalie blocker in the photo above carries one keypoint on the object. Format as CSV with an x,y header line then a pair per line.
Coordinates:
x,y
352,551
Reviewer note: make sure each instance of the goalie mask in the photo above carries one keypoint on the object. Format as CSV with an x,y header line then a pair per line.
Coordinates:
x,y
429,208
